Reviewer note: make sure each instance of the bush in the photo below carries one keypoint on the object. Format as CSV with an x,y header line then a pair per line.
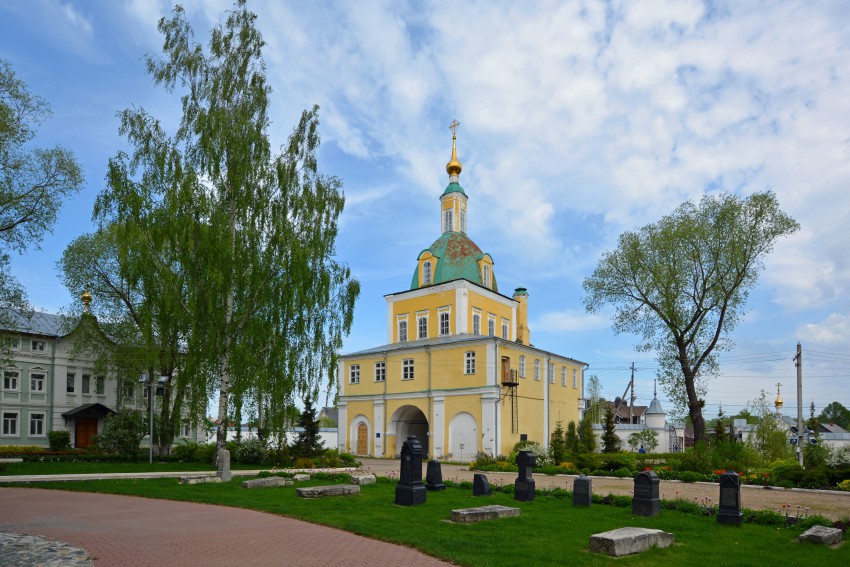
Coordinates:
x,y
206,453
186,451
251,452
59,440
615,461
122,433
690,476
786,470
697,459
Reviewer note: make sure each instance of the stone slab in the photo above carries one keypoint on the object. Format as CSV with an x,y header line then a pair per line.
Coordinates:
x,y
300,477
822,535
362,479
330,490
267,482
626,541
482,513
198,479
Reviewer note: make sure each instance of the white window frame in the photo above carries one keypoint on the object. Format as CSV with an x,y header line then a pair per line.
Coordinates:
x,y
469,362
11,380
564,376
38,376
522,366
505,326
129,392
537,369
550,373
421,326
485,278
354,374
491,326
85,386
448,220
445,323
37,345
100,385
407,369
12,343
40,423
401,329
575,378
12,418
380,371
426,272
463,220
476,323
71,380
185,428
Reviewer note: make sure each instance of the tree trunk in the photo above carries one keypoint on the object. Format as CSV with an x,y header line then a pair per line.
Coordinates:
x,y
694,406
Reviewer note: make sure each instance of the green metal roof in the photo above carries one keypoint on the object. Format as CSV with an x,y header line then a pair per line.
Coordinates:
x,y
457,258
454,187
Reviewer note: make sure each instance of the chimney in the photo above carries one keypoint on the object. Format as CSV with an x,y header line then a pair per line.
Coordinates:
x,y
523,335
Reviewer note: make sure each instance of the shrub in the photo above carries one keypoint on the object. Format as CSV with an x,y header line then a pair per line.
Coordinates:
x,y
786,470
690,476
697,459
59,440
122,433
186,451
206,453
304,463
844,485
615,461
251,452
816,478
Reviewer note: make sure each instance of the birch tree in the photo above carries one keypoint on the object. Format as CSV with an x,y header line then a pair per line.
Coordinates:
x,y
252,232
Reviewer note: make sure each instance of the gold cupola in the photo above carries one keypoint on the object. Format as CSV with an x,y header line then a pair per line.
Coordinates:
x,y
778,403
454,167
86,299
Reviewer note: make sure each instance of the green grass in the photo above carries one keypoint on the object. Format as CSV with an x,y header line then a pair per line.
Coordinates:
x,y
550,531
96,468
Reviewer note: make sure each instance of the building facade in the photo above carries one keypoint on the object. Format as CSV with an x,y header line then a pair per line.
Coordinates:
x,y
47,386
458,370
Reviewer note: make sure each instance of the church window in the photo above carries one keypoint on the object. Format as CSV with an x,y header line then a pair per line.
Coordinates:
x,y
426,273
402,330
407,369
380,371
422,324
470,363
448,221
563,376
354,374
463,221
522,366
537,369
100,385
486,277
575,378
476,324
504,330
491,327
550,372
86,383
444,323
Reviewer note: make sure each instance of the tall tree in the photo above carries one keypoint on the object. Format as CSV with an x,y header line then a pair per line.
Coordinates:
x,y
610,439
682,284
835,413
33,181
264,303
557,443
309,443
594,398
586,436
571,437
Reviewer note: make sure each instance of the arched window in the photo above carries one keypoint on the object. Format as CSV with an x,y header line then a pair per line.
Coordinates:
x,y
463,221
476,324
486,277
522,366
537,369
491,327
448,221
426,273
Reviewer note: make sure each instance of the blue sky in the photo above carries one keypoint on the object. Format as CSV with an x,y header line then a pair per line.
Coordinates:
x,y
579,120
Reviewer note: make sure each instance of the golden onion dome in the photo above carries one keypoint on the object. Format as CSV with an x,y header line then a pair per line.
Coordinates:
x,y
454,166
86,297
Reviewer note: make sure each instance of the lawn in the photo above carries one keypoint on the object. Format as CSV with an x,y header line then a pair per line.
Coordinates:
x,y
550,531
62,467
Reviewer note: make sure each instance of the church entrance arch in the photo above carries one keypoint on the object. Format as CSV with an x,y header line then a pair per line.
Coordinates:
x,y
409,420
359,435
463,437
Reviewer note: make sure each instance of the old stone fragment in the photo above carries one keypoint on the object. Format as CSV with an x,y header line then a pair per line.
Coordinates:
x,y
300,477
362,479
625,541
822,535
482,513
267,482
330,490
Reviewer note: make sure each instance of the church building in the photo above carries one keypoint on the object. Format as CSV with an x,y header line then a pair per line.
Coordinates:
x,y
458,369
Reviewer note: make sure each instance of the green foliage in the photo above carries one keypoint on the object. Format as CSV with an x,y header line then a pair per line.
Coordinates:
x,y
614,461
541,455
586,436
647,439
835,413
251,451
815,455
610,439
186,451
697,459
309,443
557,443
690,476
769,440
122,433
59,440
682,283
571,438
33,184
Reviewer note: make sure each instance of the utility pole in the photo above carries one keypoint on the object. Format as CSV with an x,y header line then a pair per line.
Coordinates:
x,y
798,362
632,404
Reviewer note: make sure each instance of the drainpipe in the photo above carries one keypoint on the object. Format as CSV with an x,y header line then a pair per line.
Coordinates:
x,y
497,442
547,401
56,383
384,413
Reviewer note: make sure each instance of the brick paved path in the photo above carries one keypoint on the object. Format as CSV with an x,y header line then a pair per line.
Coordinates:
x,y
130,531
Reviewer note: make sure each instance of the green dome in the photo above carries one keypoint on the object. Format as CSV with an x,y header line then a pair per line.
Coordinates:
x,y
454,187
457,258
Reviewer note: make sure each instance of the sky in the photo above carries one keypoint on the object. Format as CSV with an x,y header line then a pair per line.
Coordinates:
x,y
579,121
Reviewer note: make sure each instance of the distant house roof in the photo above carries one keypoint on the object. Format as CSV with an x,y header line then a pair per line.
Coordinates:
x,y
622,415
330,413
35,323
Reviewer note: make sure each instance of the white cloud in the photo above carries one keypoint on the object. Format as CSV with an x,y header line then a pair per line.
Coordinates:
x,y
76,20
833,330
569,321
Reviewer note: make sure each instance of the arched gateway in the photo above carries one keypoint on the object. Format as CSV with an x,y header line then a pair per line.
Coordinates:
x,y
409,420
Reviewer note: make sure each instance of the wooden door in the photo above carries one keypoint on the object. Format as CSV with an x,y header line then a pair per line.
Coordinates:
x,y
86,428
362,439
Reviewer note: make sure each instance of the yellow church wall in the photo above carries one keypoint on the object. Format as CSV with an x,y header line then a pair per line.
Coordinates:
x,y
454,405
428,303
487,306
